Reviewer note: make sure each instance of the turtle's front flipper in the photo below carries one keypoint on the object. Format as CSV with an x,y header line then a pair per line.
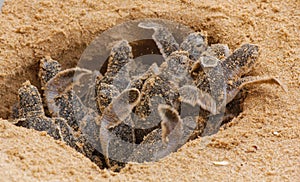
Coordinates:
x,y
161,141
30,101
54,81
162,37
171,124
220,51
195,44
61,98
32,114
48,69
194,96
117,111
240,61
236,86
121,107
105,94
120,55
172,130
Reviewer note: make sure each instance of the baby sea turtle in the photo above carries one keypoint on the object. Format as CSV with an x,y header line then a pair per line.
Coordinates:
x,y
135,112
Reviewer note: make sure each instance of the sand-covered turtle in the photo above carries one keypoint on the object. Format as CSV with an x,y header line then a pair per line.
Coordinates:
x,y
135,112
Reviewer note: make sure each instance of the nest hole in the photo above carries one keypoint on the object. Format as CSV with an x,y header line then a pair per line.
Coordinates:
x,y
145,47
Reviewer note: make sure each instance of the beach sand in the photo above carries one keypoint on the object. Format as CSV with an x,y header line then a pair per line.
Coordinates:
x,y
261,144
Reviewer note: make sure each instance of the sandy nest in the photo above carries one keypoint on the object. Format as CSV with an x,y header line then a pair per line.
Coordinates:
x,y
262,143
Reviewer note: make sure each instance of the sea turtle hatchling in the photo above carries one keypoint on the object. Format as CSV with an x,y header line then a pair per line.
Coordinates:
x,y
141,114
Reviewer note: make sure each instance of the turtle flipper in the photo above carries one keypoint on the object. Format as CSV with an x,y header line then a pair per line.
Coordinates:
x,y
195,44
105,95
30,101
121,54
171,124
240,61
48,69
32,114
121,107
116,77
220,51
61,98
162,37
236,86
194,96
161,141
116,112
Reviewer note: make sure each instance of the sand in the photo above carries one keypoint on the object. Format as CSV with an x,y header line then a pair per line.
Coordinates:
x,y
261,144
